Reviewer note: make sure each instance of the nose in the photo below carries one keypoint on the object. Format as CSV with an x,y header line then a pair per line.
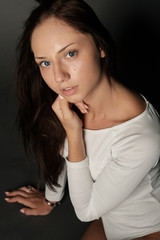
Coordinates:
x,y
61,73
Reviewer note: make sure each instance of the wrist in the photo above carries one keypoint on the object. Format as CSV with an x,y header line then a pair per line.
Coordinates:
x,y
52,204
74,135
76,149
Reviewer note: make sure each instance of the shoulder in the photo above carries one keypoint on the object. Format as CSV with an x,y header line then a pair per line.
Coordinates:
x,y
140,128
138,138
133,105
128,104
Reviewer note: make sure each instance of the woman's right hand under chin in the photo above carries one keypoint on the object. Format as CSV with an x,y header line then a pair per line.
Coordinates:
x,y
32,199
69,119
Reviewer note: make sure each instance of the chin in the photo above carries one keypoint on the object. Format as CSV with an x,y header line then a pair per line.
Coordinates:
x,y
73,99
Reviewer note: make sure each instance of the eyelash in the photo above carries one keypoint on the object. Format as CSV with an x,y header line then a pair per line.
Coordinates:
x,y
44,62
71,52
70,56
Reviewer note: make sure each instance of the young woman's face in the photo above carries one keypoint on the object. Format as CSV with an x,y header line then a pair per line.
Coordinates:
x,y
69,61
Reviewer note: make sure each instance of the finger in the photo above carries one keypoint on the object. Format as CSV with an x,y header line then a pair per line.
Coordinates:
x,y
29,211
33,212
32,189
65,108
25,201
61,108
21,191
82,107
56,108
17,193
24,188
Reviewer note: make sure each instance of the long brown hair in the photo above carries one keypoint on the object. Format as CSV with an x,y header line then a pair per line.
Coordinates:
x,y
42,132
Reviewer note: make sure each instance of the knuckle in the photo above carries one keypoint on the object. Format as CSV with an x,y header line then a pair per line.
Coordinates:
x,y
11,193
12,199
66,118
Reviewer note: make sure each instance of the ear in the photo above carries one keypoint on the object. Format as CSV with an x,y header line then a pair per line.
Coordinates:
x,y
102,53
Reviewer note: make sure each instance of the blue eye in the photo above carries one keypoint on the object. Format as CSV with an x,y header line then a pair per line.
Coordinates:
x,y
71,54
45,64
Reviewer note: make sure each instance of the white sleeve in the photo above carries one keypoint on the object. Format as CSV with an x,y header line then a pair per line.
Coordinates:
x,y
132,159
58,194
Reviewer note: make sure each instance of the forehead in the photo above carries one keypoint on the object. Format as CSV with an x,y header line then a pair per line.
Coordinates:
x,y
54,31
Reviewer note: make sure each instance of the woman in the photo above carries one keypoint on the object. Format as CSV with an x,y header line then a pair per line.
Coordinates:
x,y
72,107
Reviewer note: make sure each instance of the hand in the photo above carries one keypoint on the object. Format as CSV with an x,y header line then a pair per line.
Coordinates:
x,y
67,116
82,106
73,126
31,198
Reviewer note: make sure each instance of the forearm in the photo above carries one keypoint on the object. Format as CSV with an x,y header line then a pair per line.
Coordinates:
x,y
76,147
80,188
57,195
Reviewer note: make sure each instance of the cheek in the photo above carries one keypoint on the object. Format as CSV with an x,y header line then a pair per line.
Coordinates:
x,y
45,75
48,80
89,68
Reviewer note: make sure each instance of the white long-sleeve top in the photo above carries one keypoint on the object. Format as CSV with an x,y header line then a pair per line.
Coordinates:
x,y
119,180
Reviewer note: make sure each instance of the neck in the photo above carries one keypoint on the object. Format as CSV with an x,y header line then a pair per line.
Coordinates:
x,y
102,100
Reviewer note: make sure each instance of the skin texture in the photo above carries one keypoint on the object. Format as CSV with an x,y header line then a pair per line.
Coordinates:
x,y
66,58
62,72
69,63
31,198
95,231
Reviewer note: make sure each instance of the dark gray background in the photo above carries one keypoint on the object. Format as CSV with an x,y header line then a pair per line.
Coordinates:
x,y
134,25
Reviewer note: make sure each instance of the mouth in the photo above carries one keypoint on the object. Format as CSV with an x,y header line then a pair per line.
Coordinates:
x,y
68,91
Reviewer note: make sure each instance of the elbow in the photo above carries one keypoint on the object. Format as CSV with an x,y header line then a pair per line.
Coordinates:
x,y
86,216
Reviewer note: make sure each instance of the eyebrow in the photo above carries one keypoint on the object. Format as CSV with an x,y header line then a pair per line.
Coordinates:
x,y
61,50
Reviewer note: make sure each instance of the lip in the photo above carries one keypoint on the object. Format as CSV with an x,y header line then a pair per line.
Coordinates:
x,y
68,91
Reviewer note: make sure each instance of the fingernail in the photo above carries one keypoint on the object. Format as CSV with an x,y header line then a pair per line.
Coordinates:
x,y
86,106
6,193
21,210
61,97
7,199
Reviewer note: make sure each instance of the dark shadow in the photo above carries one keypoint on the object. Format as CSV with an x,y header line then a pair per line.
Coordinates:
x,y
139,56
